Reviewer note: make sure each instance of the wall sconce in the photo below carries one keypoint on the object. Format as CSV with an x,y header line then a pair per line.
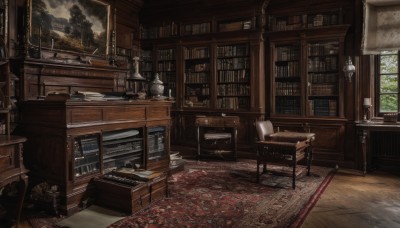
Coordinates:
x,y
349,69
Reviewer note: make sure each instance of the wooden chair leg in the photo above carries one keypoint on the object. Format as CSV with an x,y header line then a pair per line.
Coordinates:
x,y
309,160
258,171
294,176
264,167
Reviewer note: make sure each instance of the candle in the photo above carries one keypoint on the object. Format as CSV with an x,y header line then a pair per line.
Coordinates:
x,y
52,43
367,101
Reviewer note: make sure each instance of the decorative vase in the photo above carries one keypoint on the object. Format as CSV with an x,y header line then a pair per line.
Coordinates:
x,y
157,88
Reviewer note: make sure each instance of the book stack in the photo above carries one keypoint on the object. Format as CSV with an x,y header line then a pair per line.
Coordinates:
x,y
89,96
141,175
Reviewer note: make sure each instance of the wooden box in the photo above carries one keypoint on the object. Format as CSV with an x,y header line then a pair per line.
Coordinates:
x,y
127,198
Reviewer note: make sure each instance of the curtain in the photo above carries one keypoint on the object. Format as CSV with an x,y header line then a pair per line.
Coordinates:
x,y
381,28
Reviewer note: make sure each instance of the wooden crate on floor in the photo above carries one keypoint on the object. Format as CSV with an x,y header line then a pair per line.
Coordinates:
x,y
128,198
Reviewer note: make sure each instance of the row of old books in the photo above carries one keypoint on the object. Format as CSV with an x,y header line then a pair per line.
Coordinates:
x,y
196,53
317,64
323,90
287,70
288,105
233,90
287,88
192,29
287,53
233,63
323,107
233,103
232,51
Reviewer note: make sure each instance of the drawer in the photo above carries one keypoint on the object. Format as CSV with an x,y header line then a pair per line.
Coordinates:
x,y
160,112
158,194
140,203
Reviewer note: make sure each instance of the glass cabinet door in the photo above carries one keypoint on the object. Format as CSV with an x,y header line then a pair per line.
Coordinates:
x,y
197,77
323,78
166,68
156,143
123,148
233,77
86,155
287,79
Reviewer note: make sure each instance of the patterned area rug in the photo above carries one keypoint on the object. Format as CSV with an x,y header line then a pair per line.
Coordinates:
x,y
225,194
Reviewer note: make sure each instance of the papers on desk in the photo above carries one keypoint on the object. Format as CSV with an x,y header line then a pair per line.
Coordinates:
x,y
95,96
89,96
142,175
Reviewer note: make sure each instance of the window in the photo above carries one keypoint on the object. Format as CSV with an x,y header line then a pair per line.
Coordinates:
x,y
387,78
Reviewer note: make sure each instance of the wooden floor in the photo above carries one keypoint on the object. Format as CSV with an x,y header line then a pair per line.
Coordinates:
x,y
353,200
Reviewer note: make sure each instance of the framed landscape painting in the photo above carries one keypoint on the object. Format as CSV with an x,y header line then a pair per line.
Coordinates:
x,y
78,26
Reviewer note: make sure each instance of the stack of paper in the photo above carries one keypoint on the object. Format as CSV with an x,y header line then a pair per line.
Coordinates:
x,y
90,96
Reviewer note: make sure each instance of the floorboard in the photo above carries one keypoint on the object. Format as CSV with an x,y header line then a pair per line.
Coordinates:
x,y
353,200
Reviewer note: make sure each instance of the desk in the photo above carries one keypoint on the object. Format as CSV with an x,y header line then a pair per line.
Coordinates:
x,y
363,131
227,130
12,168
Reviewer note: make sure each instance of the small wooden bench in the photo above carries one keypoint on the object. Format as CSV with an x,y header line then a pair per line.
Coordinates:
x,y
217,134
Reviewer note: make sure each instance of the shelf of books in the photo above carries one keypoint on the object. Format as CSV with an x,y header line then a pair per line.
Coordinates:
x,y
323,78
233,77
305,20
166,68
197,76
156,142
122,148
86,154
235,25
287,79
146,64
165,30
195,28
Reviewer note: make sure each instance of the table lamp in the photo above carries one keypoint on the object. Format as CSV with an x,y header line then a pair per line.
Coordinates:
x,y
366,105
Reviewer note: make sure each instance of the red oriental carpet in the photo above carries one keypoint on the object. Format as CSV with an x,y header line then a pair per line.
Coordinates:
x,y
225,194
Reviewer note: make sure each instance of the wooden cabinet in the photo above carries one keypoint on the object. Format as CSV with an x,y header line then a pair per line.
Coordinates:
x,y
71,142
233,77
5,91
306,77
304,20
307,86
197,76
39,77
217,75
5,99
166,68
12,169
329,144
3,22
219,60
130,199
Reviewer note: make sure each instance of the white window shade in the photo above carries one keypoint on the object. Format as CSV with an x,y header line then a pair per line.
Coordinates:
x,y
381,26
